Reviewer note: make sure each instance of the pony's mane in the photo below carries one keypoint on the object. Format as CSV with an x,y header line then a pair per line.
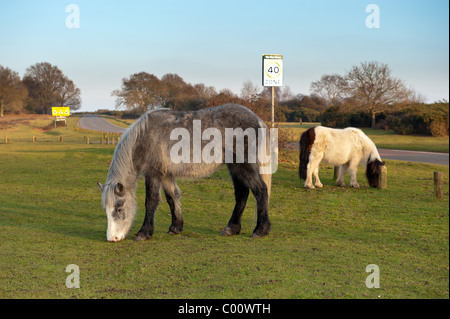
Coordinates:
x,y
122,168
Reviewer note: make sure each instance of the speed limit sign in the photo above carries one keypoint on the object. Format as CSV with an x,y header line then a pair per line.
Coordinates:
x,y
272,70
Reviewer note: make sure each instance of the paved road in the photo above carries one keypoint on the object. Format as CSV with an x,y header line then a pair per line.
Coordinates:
x,y
96,123
414,156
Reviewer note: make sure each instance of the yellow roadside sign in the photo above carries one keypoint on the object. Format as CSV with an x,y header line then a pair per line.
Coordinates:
x,y
61,111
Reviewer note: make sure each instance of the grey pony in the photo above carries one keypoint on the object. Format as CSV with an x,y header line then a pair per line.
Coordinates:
x,y
144,150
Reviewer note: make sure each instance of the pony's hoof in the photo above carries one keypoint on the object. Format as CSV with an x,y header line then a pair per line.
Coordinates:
x,y
319,185
227,232
355,185
143,236
261,231
231,230
309,186
259,234
174,230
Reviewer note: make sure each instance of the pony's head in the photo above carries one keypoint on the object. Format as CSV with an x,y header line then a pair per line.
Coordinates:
x,y
120,207
373,172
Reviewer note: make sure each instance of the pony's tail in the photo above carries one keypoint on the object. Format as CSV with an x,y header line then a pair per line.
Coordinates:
x,y
306,142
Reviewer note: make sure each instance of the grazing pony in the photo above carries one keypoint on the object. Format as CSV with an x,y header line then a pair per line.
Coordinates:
x,y
149,147
346,148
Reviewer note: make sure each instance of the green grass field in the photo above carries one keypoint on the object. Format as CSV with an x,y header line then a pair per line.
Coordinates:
x,y
320,245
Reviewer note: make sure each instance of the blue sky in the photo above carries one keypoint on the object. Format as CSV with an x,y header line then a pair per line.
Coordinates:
x,y
220,43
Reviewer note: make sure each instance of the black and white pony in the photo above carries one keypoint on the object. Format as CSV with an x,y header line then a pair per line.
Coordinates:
x,y
346,148
151,147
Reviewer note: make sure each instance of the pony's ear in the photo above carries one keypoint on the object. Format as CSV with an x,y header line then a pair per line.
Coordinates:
x,y
100,186
119,190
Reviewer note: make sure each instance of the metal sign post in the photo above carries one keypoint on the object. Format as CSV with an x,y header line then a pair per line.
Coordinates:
x,y
272,75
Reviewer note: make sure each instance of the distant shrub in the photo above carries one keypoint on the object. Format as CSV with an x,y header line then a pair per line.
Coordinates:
x,y
334,117
420,118
426,119
133,114
361,119
439,128
303,113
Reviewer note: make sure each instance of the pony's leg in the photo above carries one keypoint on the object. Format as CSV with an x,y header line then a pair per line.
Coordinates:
x,y
249,175
241,195
353,169
313,169
308,181
317,182
152,199
173,194
342,171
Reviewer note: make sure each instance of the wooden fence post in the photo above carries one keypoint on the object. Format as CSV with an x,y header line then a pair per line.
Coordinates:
x,y
6,139
61,139
34,138
383,177
87,140
439,185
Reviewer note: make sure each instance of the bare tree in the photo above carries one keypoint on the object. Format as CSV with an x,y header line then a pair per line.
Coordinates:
x,y
141,91
205,92
48,86
286,94
12,91
249,91
266,93
331,87
416,97
69,95
375,88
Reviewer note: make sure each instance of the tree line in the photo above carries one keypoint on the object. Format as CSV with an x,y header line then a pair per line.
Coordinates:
x,y
42,87
367,95
367,92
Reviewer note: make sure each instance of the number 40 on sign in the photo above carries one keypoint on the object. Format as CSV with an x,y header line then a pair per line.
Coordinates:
x,y
272,70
